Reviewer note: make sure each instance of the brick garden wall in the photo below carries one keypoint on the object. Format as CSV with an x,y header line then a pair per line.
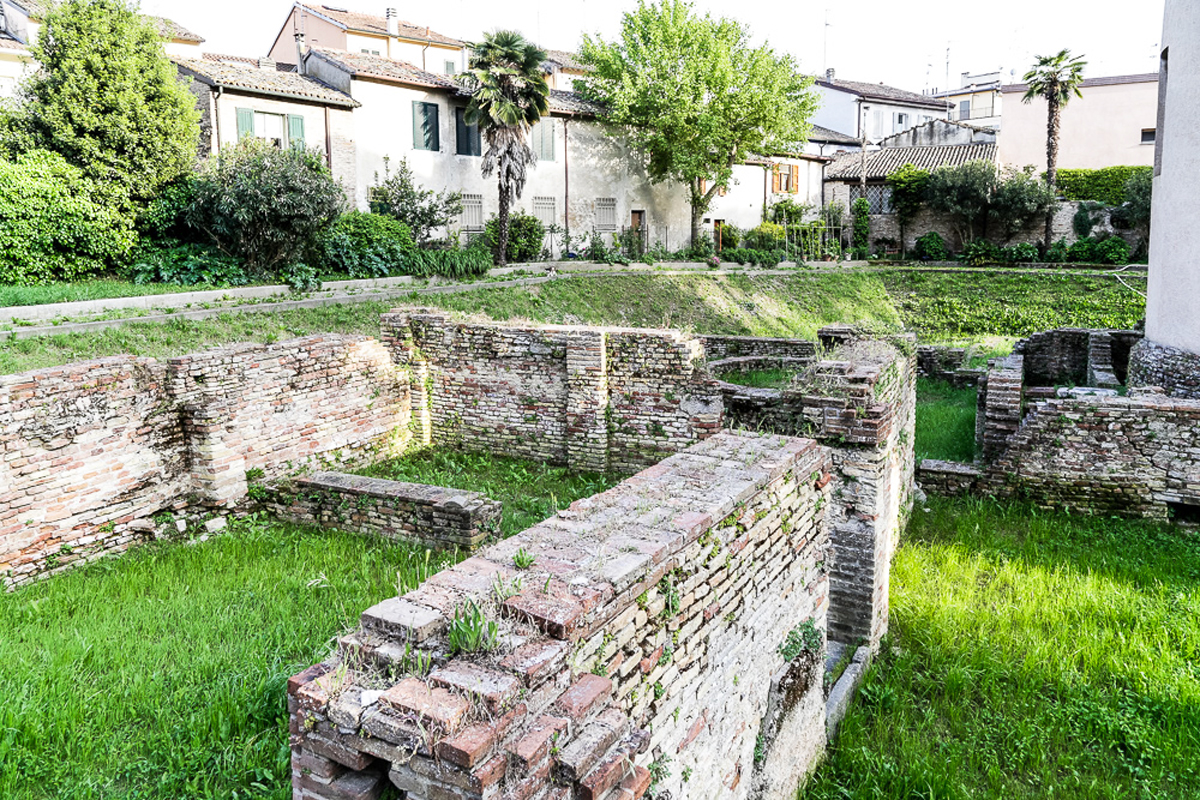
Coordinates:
x,y
717,348
88,452
92,450
646,633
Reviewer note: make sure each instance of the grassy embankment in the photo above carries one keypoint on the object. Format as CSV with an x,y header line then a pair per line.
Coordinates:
x,y
975,306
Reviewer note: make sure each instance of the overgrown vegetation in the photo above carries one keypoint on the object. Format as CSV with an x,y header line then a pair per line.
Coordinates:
x,y
162,674
760,378
1031,654
945,426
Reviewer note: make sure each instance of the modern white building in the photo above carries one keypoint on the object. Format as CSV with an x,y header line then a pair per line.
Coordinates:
x,y
872,110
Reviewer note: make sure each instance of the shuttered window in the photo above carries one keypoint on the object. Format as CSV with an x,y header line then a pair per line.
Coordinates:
x,y
543,140
795,182
245,123
544,210
296,131
466,136
279,129
425,126
472,212
606,213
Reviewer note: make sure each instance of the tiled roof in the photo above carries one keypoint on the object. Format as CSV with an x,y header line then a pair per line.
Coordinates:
x,y
1112,80
9,43
933,123
221,57
261,81
566,60
369,23
168,29
367,65
881,163
827,136
879,91
562,102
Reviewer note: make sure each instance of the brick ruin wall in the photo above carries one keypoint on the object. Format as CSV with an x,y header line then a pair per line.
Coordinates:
x,y
864,409
644,636
719,348
1076,356
92,451
433,516
595,399
1175,371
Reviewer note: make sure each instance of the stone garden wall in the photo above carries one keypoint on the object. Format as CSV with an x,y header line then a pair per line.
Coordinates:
x,y
93,450
432,515
643,641
1177,372
592,398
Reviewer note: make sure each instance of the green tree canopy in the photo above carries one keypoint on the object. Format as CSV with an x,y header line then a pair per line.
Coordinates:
x,y
107,99
695,96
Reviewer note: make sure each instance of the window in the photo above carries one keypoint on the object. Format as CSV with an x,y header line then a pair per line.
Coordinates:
x,y
1149,135
370,52
281,130
472,213
466,137
425,126
879,196
543,140
606,213
787,179
451,67
544,210
900,122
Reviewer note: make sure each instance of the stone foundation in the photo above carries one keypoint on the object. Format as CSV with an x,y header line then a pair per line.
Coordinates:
x,y
430,515
646,632
1177,372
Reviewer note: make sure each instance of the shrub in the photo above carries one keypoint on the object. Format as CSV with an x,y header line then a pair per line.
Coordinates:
x,y
186,265
1139,191
1107,185
861,209
788,212
1113,250
364,245
423,211
1082,252
980,252
767,236
456,264
164,217
264,205
1058,252
931,247
54,225
1023,253
526,235
731,236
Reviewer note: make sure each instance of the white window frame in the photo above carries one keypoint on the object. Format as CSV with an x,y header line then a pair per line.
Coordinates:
x,y
472,213
606,214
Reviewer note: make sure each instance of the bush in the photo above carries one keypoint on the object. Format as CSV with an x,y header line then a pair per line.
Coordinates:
x,y
264,205
1107,185
526,237
980,252
163,219
1113,250
186,265
1023,253
1058,252
364,245
1082,252
931,247
53,224
421,210
861,209
767,236
756,258
473,261
731,236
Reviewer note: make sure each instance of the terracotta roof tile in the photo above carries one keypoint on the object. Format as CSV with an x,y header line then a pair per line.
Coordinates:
x,y
9,43
881,163
168,29
566,60
880,91
826,135
372,66
562,102
261,81
369,23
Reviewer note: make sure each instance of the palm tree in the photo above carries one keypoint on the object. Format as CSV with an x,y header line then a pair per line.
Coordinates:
x,y
1055,78
509,94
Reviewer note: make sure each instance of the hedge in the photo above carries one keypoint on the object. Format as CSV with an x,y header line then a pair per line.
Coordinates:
x,y
1105,185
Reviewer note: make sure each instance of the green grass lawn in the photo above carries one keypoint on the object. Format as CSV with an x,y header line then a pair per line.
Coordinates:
x,y
530,491
1031,655
161,674
945,421
96,289
938,306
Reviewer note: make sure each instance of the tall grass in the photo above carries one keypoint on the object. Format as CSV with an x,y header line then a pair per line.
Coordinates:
x,y
1030,655
945,425
162,674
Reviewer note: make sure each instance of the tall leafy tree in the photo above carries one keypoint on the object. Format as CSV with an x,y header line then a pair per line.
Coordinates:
x,y
696,97
1056,79
107,99
509,94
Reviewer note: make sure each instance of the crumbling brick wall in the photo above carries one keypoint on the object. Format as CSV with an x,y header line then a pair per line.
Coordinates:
x,y
431,515
88,452
647,631
718,348
999,405
593,398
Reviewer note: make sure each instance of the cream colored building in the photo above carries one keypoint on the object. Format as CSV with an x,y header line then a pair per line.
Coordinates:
x,y
1113,124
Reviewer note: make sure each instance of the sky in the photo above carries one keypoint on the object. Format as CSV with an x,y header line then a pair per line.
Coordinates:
x,y
912,44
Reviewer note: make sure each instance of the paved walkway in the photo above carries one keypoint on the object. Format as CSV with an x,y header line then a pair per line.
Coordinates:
x,y
24,322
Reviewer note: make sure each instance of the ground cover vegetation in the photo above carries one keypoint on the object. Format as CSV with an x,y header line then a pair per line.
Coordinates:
x,y
1031,654
939,306
162,673
945,424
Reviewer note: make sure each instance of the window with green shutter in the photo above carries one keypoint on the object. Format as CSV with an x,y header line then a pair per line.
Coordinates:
x,y
245,123
466,136
425,126
295,131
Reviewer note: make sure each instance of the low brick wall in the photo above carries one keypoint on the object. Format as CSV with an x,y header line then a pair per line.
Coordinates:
x,y
717,348
946,364
947,478
999,406
430,515
646,631
1079,356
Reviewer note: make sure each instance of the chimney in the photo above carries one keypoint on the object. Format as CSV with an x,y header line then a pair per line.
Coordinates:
x,y
267,64
393,22
301,51
829,73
